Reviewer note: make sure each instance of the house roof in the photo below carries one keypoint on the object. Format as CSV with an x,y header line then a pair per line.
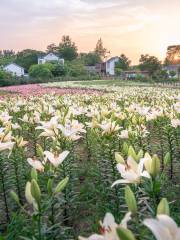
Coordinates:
x,y
113,58
46,54
13,64
172,67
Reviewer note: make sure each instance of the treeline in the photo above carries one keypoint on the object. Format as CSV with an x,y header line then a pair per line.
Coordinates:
x,y
75,62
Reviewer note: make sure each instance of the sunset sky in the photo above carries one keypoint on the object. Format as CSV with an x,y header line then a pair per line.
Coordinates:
x,y
126,26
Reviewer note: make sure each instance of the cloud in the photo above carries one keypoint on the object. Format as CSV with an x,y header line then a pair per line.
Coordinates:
x,y
36,23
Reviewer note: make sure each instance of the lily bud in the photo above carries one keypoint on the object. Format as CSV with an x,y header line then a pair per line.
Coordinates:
x,y
125,234
155,168
140,154
134,120
28,194
61,185
40,151
35,191
119,158
132,153
130,200
49,186
34,174
163,207
15,197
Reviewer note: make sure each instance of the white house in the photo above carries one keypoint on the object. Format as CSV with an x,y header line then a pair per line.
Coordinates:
x,y
110,66
15,69
50,57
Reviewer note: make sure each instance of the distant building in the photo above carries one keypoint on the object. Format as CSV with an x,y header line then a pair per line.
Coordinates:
x,y
172,68
50,57
90,69
100,68
132,74
110,65
15,69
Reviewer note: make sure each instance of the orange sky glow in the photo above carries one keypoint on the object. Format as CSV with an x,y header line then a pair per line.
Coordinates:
x,y
132,27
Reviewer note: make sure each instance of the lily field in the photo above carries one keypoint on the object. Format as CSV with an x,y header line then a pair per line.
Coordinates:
x,y
93,160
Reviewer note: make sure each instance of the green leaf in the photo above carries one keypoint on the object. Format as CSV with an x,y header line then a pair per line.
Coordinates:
x,y
167,159
15,197
125,148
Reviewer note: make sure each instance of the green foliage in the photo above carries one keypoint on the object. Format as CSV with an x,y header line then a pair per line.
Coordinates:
x,y
172,74
149,63
5,60
58,70
4,77
27,58
123,63
67,49
75,68
91,59
40,71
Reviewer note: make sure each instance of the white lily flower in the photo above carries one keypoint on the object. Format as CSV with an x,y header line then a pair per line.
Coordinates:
x,y
36,164
163,228
93,237
54,159
131,172
124,134
49,128
6,146
109,127
72,129
175,123
5,118
108,228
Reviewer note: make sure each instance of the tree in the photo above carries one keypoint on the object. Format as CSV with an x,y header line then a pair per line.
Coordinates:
x,y
149,63
5,78
91,59
100,50
75,68
162,74
40,71
67,49
8,53
51,48
123,63
27,57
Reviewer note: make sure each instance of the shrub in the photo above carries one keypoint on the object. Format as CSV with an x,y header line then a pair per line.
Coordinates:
x,y
58,70
75,69
5,78
41,71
